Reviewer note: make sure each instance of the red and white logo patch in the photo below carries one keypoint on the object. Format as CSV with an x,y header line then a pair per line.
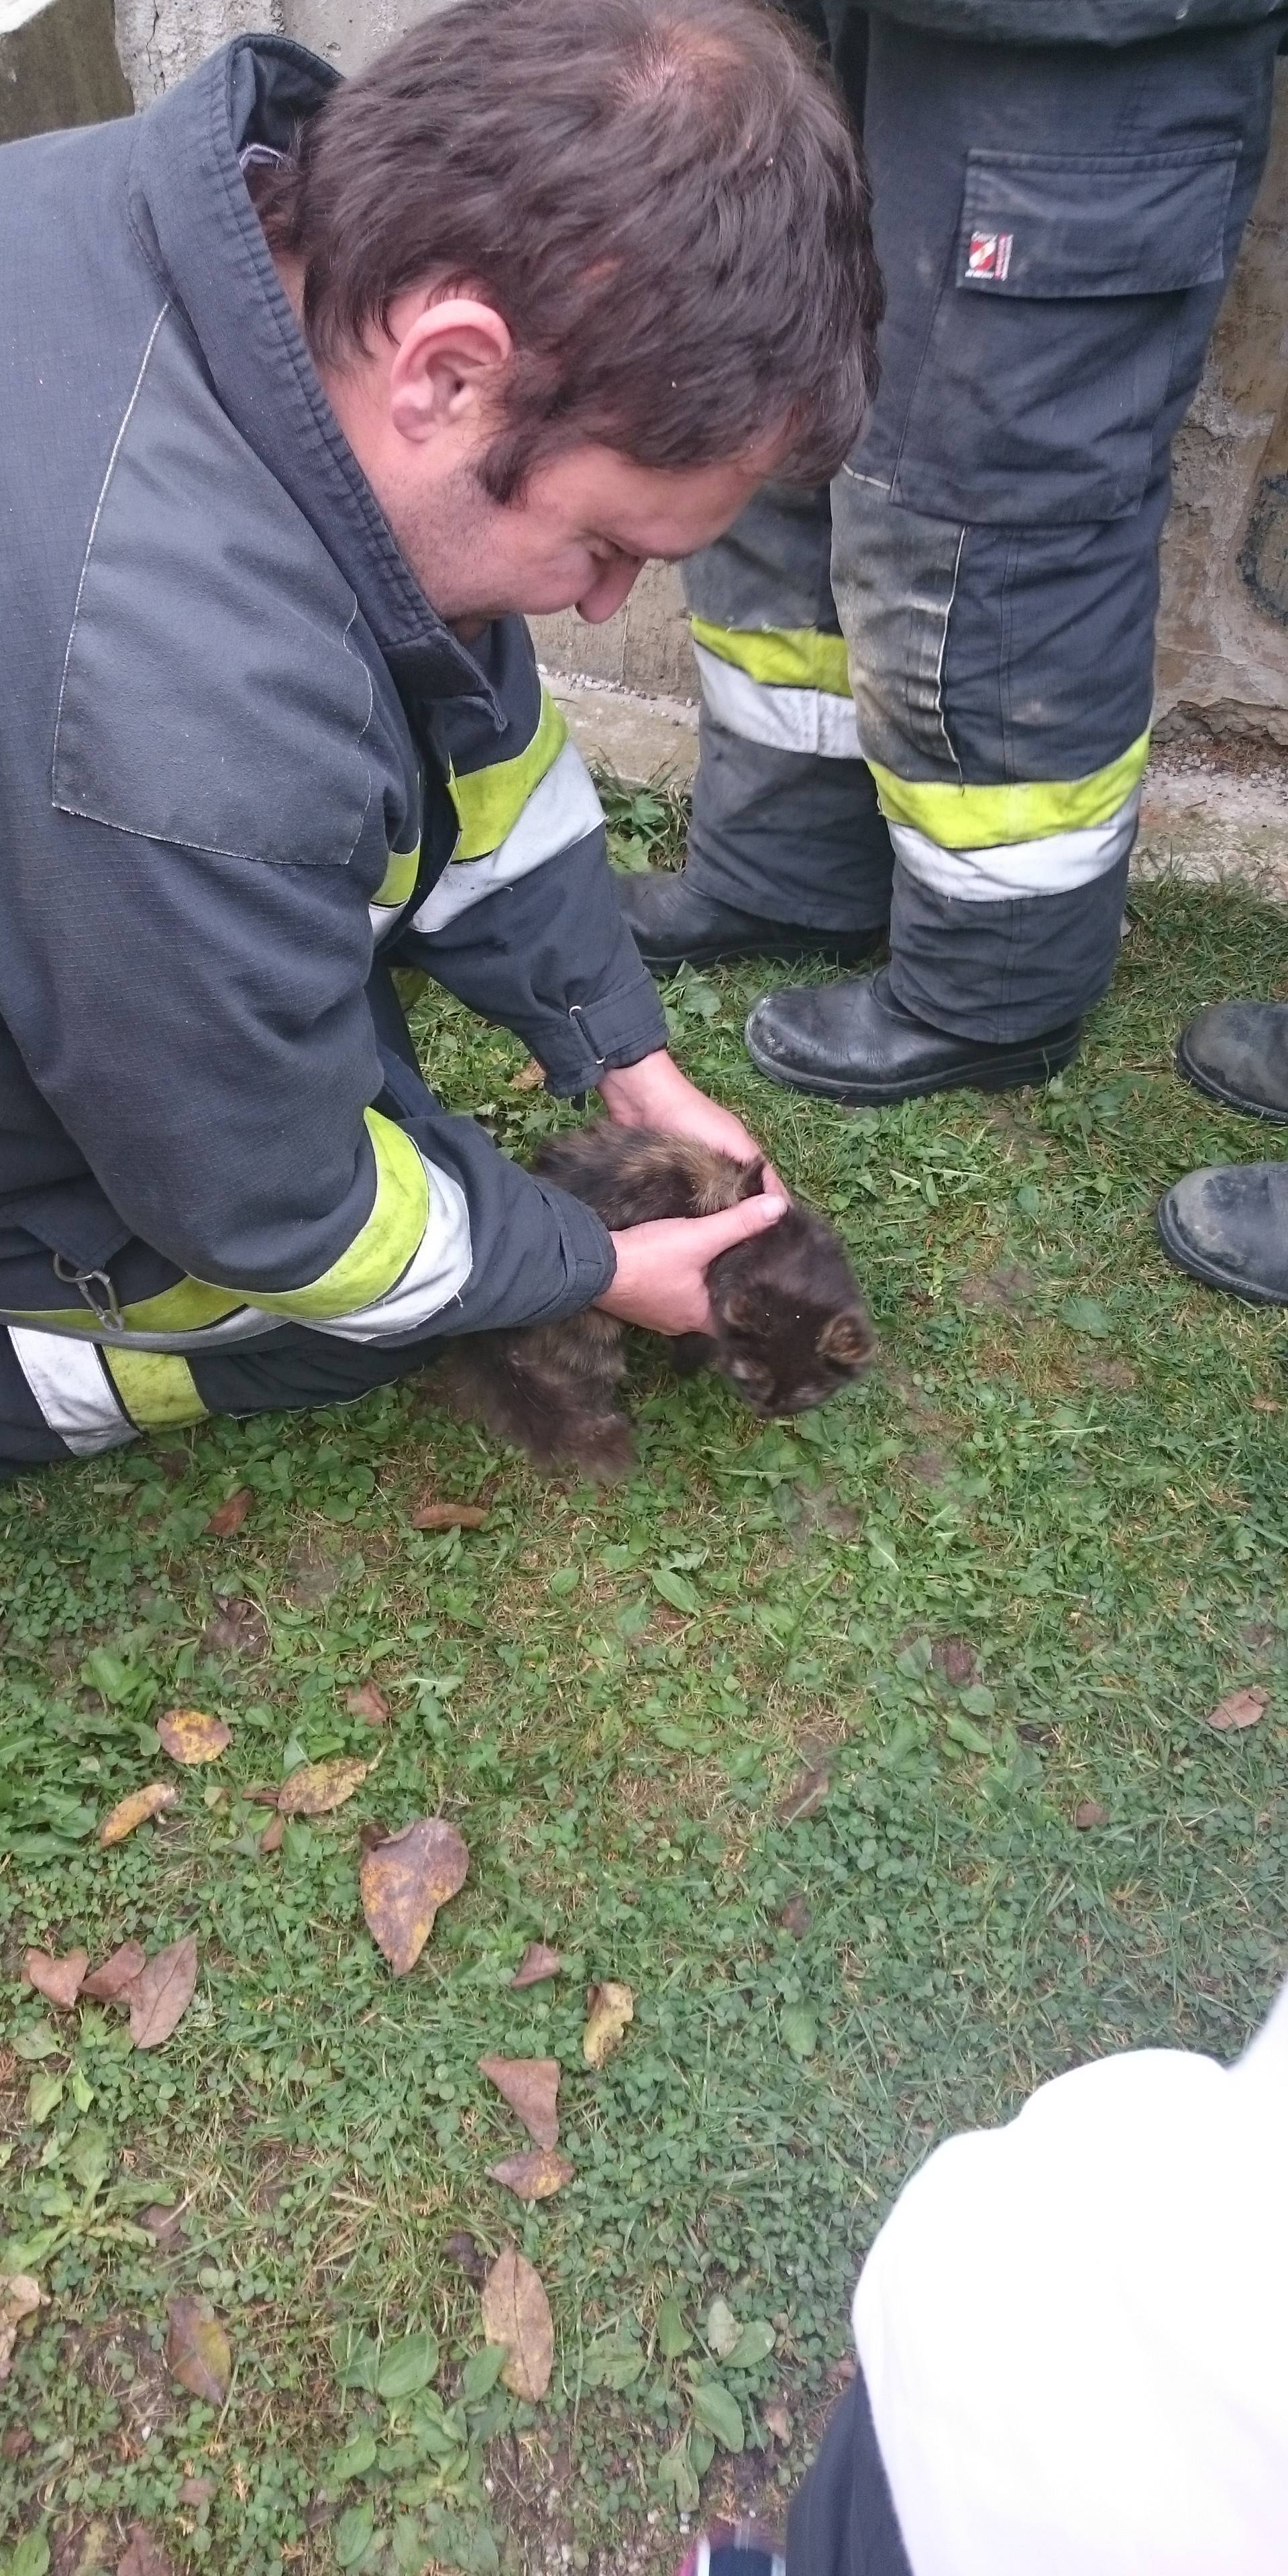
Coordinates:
x,y
989,255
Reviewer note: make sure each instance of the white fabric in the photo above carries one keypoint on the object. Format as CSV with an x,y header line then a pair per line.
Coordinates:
x,y
1054,865
810,720
562,809
436,1272
1074,2329
70,1383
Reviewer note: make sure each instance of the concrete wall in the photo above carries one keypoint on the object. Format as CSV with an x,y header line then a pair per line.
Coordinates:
x,y
1223,637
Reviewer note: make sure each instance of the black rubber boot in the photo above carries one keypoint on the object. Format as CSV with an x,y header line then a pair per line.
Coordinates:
x,y
673,925
1238,1052
853,1042
1229,1227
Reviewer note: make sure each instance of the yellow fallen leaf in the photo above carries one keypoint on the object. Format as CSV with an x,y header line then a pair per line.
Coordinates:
x,y
136,1809
536,2175
20,2297
318,1786
190,1736
609,2008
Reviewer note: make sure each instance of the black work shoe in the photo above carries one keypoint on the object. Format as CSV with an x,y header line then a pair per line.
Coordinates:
x,y
1238,1052
673,925
1229,1227
855,1043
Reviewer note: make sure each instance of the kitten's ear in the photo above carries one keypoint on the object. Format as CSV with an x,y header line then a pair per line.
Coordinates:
x,y
740,1315
753,1180
847,1340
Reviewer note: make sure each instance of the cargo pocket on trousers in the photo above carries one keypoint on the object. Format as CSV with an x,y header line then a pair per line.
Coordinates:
x,y
1050,357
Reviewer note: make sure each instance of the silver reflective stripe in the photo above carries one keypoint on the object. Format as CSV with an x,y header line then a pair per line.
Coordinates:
x,y
245,1325
73,1390
1055,864
563,808
436,1273
802,720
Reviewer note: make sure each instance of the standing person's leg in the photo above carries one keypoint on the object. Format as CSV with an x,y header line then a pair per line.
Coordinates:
x,y
842,2520
788,855
1056,226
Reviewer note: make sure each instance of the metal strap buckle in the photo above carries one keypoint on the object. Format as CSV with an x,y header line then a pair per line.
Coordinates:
x,y
109,1313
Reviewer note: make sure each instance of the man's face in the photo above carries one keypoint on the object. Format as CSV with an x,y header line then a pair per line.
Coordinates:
x,y
576,537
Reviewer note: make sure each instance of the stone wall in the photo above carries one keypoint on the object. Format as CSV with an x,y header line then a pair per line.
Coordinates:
x,y
1223,634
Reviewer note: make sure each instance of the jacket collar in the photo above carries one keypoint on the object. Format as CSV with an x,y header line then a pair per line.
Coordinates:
x,y
188,192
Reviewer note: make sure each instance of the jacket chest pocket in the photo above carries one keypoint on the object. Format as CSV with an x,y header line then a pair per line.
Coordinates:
x,y
1053,351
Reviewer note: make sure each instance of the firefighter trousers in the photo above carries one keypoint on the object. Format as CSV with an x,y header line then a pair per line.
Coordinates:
x,y
927,690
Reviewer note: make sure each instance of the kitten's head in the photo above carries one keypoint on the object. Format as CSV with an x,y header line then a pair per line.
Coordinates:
x,y
790,1328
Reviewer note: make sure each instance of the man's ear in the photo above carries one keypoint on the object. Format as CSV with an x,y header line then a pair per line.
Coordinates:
x,y
448,366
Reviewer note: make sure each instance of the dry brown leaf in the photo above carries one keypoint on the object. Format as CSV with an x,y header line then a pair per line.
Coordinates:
x,y
271,1838
59,1980
369,1704
240,1628
318,1786
162,1992
16,2442
530,1078
538,1963
531,2087
20,2297
439,1516
135,1810
1089,1813
228,1518
161,2220
534,2176
197,2352
1241,1708
196,2490
796,1917
190,1736
778,2422
516,2313
142,2556
1265,1404
462,2250
805,1797
405,1880
110,1983
609,2008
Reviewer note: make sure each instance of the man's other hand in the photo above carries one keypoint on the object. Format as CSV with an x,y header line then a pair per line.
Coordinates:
x,y
660,1280
654,1093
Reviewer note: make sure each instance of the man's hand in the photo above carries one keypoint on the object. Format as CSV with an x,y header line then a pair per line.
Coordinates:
x,y
661,1269
654,1093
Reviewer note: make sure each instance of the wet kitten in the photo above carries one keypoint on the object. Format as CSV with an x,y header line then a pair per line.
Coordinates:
x,y
790,1326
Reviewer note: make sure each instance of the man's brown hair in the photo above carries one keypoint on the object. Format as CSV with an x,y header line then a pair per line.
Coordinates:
x,y
661,197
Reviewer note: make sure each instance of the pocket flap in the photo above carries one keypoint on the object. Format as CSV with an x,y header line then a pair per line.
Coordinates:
x,y
1105,223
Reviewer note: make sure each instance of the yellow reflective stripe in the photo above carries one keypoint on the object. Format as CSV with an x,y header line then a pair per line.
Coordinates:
x,y
398,883
156,1388
184,1308
490,801
780,657
985,818
378,1256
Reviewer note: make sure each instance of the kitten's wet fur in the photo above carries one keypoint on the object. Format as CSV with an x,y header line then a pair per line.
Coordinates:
x,y
790,1325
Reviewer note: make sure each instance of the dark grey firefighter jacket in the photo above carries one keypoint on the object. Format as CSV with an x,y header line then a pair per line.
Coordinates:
x,y
226,723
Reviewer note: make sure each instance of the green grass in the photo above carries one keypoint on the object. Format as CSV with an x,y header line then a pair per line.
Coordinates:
x,y
1060,1465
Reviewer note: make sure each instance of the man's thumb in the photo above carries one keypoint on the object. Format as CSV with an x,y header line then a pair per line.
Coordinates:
x,y
733,1225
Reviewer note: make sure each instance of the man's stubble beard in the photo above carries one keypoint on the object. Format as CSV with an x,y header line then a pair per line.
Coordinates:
x,y
447,543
